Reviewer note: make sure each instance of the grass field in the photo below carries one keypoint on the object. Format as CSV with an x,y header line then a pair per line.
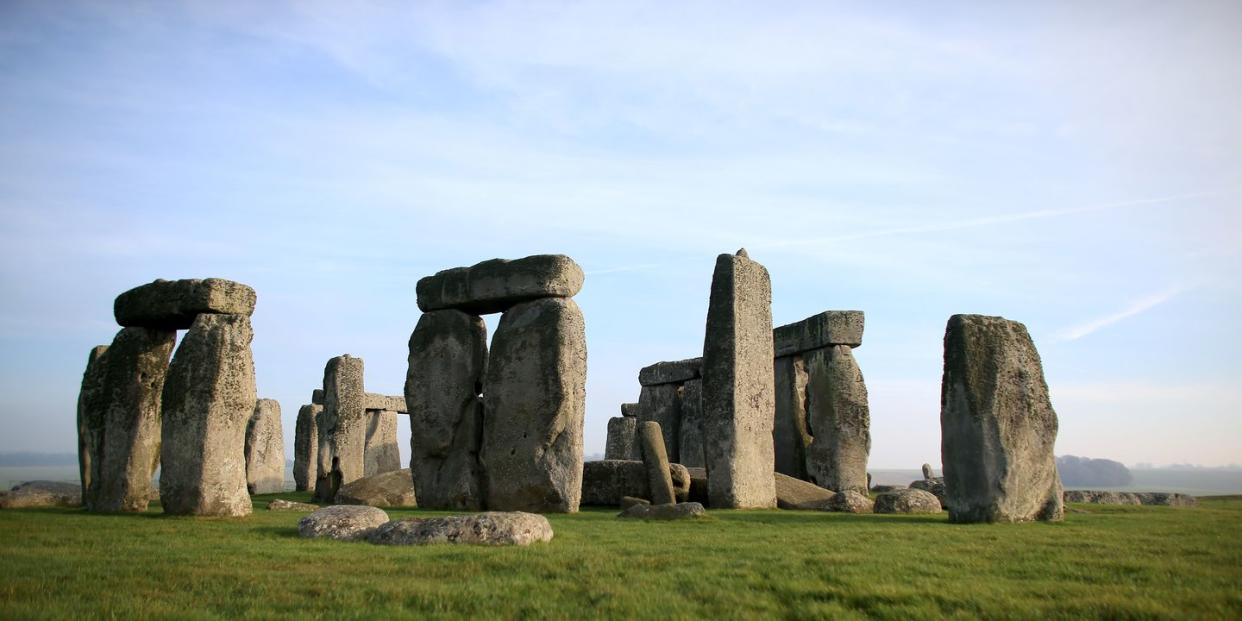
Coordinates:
x,y
1110,562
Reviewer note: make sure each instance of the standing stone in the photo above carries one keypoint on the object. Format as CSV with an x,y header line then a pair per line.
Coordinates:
x,y
840,420
133,371
208,400
738,400
91,408
997,424
927,472
630,409
265,449
533,408
655,461
790,433
447,362
690,436
662,404
306,447
343,426
622,438
327,471
381,453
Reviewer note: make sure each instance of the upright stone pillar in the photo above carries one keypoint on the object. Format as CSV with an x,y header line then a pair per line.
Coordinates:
x,y
790,433
343,426
690,443
662,404
447,362
738,386
534,404
327,471
91,408
622,443
655,462
840,420
306,448
208,400
265,449
381,453
997,425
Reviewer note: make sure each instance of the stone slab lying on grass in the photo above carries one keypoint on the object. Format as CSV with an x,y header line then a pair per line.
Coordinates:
x,y
342,522
1102,498
173,304
493,528
281,504
630,501
1167,499
851,501
497,285
36,494
907,501
794,493
935,486
679,511
387,489
880,489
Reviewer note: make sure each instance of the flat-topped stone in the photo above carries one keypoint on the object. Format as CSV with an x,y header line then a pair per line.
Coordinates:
x,y
630,409
342,522
679,511
493,528
173,304
496,285
671,372
388,403
818,331
387,489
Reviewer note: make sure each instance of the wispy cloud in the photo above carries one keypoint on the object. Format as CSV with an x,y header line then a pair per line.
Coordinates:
x,y
1138,307
623,268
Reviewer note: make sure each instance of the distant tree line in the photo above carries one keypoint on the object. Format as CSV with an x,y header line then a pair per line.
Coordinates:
x,y
1081,471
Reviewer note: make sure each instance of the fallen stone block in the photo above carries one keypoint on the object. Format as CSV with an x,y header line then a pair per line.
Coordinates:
x,y
794,493
281,504
42,494
850,501
387,489
679,511
342,522
491,528
907,501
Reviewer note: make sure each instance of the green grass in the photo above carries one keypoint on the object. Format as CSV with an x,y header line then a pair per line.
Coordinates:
x,y
1110,562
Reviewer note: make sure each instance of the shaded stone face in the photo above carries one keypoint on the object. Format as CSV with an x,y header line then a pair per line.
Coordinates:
x,y
690,432
173,304
662,404
322,484
394,488
306,448
790,434
381,453
497,285
629,409
738,400
997,424
825,329
839,420
447,363
655,462
265,449
344,421
607,482
91,408
534,406
675,372
127,446
208,400
622,438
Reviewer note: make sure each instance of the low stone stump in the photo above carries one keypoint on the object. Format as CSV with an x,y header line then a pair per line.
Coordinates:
x,y
794,493
679,511
41,494
851,501
492,528
907,501
281,504
342,522
387,489
630,501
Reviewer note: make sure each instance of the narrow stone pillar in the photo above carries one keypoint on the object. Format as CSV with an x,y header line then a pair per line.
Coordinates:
x,y
324,489
738,386
622,432
343,425
208,400
690,444
381,453
655,461
840,420
265,449
661,403
790,435
534,404
91,409
306,448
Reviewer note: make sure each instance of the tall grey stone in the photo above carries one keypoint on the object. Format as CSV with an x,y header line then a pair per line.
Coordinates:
x,y
839,419
690,431
265,449
327,469
306,448
622,438
380,453
655,461
344,426
997,425
208,400
499,284
91,409
790,433
738,386
534,404
126,420
447,362
662,404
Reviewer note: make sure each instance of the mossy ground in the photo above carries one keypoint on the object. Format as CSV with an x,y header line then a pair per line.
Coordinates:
x,y
1109,562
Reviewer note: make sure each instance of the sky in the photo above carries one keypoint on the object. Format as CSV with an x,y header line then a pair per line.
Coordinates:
x,y
1074,166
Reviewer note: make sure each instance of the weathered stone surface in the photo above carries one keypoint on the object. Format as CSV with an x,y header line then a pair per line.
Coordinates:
x,y
794,493
317,396
306,447
622,438
491,528
1102,498
39,494
387,403
839,420
342,428
208,400
738,386
630,501
790,430
380,453
850,501
997,425
679,511
326,483
826,329
281,504
265,449
690,432
672,372
394,488
1167,499
534,407
606,482
497,285
447,363
123,419
173,304
880,489
927,472
698,485
630,409
342,522
935,485
907,501
662,404
92,405
655,462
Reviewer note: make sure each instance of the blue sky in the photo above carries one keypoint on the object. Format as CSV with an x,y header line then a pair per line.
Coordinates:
x,y
1075,167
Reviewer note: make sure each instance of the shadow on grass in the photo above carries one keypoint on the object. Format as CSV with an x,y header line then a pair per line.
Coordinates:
x,y
282,532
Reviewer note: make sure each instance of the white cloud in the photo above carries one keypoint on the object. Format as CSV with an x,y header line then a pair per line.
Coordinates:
x,y
1137,307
